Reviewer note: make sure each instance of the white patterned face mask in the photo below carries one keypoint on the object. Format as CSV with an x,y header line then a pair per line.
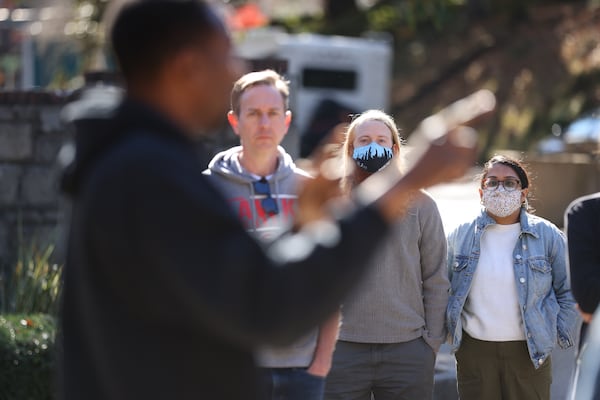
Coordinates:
x,y
500,202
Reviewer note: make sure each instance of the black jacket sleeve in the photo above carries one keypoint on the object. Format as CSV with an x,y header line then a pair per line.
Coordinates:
x,y
583,232
176,251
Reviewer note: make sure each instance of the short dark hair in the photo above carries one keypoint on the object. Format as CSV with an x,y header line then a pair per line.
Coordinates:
x,y
146,33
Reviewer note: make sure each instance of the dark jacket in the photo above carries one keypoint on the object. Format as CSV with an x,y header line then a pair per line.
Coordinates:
x,y
582,221
165,293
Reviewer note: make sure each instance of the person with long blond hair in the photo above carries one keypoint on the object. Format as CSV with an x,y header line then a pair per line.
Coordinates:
x,y
393,324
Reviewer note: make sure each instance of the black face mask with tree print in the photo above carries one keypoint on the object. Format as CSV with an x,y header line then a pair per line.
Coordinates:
x,y
372,157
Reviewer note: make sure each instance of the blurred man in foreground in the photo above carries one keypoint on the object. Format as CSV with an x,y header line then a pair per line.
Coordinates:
x,y
165,292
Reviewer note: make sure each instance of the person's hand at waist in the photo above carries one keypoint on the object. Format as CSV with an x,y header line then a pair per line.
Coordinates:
x,y
587,317
320,367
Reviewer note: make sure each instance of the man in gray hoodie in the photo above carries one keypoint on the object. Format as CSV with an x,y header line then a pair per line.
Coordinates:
x,y
260,181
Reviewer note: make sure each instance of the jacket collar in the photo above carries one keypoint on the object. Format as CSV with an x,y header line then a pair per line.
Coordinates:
x,y
484,219
134,115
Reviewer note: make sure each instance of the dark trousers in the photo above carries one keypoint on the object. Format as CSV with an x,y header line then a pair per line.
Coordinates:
x,y
398,371
500,371
291,384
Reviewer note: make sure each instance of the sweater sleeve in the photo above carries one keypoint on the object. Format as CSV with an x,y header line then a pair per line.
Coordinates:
x,y
433,252
187,257
583,229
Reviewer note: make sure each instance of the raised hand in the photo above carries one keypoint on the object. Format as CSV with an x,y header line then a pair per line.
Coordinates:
x,y
444,147
444,150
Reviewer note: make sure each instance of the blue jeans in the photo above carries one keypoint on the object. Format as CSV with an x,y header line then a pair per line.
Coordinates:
x,y
291,384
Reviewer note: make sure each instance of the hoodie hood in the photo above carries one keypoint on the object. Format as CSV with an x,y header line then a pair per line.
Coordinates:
x,y
227,165
100,127
237,186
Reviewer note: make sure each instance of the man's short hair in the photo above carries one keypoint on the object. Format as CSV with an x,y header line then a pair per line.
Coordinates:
x,y
265,77
147,33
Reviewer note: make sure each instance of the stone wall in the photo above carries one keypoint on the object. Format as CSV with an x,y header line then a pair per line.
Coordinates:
x,y
31,136
31,209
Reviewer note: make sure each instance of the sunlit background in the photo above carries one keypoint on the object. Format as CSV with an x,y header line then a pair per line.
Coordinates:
x,y
410,58
542,58
407,57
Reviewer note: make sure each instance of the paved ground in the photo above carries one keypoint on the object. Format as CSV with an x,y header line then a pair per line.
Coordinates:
x,y
458,202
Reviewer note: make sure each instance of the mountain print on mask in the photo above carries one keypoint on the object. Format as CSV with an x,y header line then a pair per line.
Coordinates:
x,y
373,157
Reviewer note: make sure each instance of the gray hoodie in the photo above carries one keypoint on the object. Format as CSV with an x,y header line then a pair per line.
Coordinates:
x,y
236,184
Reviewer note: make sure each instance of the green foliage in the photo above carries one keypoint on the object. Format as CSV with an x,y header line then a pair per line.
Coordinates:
x,y
27,357
384,18
35,284
405,16
29,298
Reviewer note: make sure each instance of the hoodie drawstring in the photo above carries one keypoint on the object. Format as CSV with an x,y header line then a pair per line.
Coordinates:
x,y
253,206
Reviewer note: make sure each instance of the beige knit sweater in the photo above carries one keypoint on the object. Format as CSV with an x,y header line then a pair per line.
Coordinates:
x,y
405,294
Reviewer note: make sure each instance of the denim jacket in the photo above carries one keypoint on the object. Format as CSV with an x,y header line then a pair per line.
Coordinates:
x,y
545,299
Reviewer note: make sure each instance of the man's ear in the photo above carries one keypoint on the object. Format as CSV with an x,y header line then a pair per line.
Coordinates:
x,y
288,120
233,121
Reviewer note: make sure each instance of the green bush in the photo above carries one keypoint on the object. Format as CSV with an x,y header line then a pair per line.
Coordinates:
x,y
29,299
34,285
27,357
